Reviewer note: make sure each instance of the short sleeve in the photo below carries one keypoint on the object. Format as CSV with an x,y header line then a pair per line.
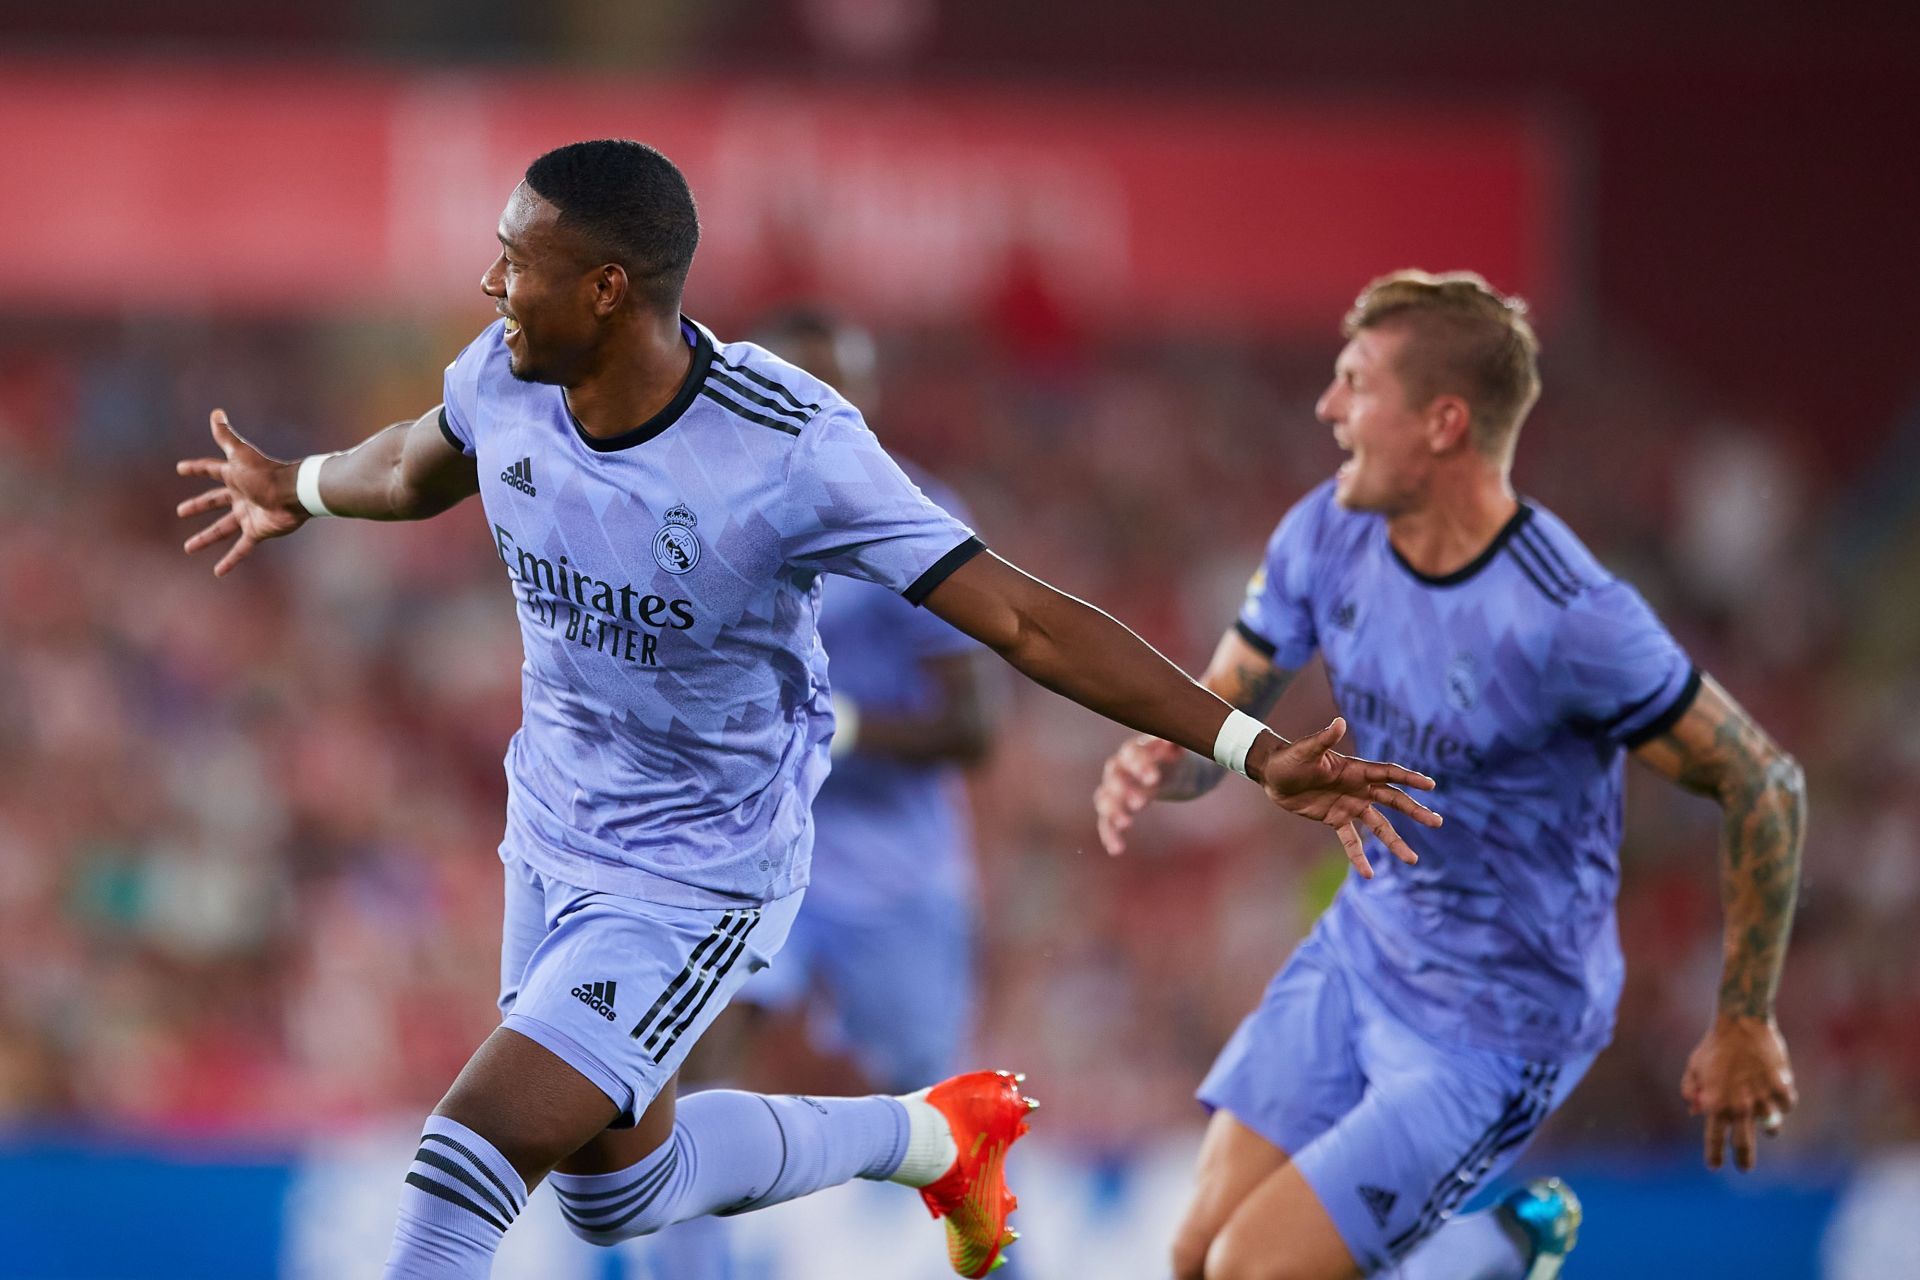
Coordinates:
x,y
1275,617
460,399
849,509
1618,670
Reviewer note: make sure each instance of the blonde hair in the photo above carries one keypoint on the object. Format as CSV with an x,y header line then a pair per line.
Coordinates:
x,y
1473,341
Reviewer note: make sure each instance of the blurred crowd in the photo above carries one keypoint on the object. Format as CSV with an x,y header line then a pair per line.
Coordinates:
x,y
247,827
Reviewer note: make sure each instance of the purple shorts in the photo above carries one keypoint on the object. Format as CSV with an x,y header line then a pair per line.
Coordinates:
x,y
1392,1130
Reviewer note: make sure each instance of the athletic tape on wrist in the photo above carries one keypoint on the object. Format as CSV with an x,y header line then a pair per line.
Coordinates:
x,y
1235,739
306,483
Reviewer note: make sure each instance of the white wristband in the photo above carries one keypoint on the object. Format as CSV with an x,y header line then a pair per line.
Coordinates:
x,y
306,483
1236,737
846,726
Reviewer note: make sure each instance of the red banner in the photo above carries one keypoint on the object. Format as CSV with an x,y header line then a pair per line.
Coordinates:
x,y
163,187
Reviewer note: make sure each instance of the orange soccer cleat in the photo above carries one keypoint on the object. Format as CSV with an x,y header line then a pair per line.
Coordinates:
x,y
988,1114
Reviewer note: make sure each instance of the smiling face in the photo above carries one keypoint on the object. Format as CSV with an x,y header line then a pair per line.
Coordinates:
x,y
551,290
1370,408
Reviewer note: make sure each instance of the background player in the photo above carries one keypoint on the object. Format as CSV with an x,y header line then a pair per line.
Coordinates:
x,y
1435,1015
879,966
664,506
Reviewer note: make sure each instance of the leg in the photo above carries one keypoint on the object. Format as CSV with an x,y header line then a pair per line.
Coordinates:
x,y
1280,1231
1234,1160
515,1110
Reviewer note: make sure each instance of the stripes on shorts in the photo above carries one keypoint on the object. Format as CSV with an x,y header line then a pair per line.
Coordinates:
x,y
1522,1115
689,992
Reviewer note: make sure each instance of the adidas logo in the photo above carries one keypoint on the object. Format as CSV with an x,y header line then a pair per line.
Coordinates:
x,y
597,996
1380,1202
520,476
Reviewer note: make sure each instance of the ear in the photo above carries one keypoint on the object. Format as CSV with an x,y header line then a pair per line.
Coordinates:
x,y
1449,425
610,288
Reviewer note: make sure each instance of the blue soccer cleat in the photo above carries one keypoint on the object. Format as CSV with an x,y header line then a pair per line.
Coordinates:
x,y
1548,1213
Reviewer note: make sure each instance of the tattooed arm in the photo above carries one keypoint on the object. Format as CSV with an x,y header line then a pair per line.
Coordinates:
x,y
1739,1073
1146,769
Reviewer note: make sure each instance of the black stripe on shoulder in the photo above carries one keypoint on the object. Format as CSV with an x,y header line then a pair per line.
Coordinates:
x,y
922,586
1681,704
447,431
783,392
1550,557
1558,598
1267,647
742,391
740,410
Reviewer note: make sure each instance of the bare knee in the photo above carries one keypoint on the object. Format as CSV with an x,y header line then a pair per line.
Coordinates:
x,y
1190,1244
1243,1255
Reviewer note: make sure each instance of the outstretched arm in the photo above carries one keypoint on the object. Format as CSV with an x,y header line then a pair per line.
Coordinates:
x,y
1740,1072
409,471
1076,650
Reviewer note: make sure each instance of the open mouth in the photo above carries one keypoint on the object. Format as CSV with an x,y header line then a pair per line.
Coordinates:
x,y
513,326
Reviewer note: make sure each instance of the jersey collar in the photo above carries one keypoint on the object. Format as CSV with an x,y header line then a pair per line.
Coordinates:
x,y
702,343
1479,562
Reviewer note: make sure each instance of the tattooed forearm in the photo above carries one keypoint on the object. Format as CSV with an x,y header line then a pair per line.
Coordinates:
x,y
1760,879
1716,750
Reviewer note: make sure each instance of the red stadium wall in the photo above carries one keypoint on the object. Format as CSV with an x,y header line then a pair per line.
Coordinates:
x,y
275,190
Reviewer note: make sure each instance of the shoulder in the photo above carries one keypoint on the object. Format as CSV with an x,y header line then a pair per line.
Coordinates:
x,y
1317,524
486,350
937,490
759,387
1556,564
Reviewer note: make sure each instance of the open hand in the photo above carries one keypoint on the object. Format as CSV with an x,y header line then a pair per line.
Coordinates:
x,y
257,492
1309,778
1739,1078
1134,777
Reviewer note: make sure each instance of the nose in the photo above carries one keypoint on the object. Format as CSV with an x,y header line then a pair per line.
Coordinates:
x,y
493,282
1326,409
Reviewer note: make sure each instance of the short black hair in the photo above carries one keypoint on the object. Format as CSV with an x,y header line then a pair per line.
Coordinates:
x,y
632,206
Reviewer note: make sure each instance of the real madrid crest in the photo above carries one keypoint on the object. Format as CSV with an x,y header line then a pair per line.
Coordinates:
x,y
1463,682
676,547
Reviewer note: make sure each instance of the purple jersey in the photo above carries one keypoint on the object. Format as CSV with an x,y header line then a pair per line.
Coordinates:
x,y
674,693
1518,682
888,830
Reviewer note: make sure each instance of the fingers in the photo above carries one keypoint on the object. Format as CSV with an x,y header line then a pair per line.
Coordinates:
x,y
219,531
241,550
1383,830
1394,798
1381,771
212,498
223,433
1355,850
1743,1141
211,468
1325,740
1716,1139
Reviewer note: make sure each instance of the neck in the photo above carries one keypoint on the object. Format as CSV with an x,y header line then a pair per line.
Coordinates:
x,y
1456,522
637,378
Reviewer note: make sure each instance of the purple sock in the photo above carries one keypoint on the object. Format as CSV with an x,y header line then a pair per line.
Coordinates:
x,y
459,1199
732,1152
1470,1246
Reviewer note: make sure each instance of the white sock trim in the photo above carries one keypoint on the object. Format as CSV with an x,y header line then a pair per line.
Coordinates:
x,y
931,1149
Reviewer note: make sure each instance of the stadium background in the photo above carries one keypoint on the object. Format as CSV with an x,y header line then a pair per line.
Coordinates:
x,y
248,899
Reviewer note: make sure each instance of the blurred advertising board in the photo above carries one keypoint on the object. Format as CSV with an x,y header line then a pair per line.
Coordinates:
x,y
158,186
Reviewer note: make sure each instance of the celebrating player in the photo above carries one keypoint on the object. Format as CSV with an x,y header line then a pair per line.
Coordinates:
x,y
1435,1015
664,505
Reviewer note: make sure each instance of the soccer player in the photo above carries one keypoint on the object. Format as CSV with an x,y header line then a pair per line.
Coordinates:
x,y
664,505
1436,1014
